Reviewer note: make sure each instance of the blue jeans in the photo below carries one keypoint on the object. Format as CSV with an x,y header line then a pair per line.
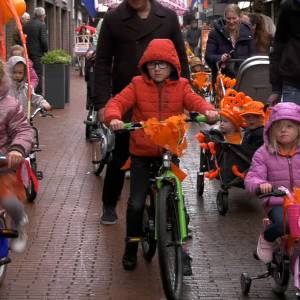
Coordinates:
x,y
290,94
276,229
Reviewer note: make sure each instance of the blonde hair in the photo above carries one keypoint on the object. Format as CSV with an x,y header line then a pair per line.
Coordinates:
x,y
232,7
16,48
273,145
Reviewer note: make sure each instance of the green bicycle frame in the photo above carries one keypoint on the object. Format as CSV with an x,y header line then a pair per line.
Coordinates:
x,y
169,176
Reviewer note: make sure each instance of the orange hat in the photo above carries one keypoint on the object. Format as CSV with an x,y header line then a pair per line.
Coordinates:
x,y
233,116
195,61
253,108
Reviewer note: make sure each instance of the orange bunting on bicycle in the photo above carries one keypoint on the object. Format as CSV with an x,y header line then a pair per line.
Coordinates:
x,y
169,134
228,82
200,137
236,172
178,172
11,185
212,174
200,80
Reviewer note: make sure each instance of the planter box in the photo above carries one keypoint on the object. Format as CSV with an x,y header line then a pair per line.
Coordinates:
x,y
55,85
67,83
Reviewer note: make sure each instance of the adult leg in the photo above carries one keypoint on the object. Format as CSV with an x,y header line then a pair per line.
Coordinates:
x,y
38,67
139,186
291,94
114,178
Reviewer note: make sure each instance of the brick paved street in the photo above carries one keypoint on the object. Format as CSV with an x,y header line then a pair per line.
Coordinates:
x,y
71,256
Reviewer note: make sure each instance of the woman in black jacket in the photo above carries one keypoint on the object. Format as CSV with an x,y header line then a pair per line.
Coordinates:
x,y
229,39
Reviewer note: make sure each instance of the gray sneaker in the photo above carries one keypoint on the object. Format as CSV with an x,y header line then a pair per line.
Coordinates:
x,y
109,216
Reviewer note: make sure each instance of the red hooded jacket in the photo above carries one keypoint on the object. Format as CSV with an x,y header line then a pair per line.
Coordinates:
x,y
147,100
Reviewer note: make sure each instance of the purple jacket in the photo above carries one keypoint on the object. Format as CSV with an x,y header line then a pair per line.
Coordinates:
x,y
268,166
15,131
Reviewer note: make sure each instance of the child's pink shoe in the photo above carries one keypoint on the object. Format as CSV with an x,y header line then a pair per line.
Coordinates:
x,y
265,249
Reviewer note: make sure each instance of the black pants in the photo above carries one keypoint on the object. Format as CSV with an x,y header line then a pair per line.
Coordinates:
x,y
114,177
139,187
38,67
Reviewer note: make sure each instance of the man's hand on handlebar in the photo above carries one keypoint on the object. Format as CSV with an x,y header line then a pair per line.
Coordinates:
x,y
265,188
225,57
116,124
14,158
212,116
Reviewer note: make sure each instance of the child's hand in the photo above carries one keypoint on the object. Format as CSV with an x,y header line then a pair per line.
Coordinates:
x,y
14,159
212,116
46,106
265,188
116,124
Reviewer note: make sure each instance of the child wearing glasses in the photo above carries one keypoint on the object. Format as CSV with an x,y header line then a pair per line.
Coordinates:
x,y
158,92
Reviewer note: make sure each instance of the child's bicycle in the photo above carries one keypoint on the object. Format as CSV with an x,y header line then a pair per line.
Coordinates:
x,y
30,190
286,255
165,219
5,232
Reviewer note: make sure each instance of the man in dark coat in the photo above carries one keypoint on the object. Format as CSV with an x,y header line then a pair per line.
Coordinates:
x,y
125,34
284,56
37,42
193,36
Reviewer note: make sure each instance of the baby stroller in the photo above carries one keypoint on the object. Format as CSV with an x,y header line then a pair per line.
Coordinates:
x,y
253,78
223,161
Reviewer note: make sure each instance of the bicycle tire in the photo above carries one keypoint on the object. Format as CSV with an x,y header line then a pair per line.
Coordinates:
x,y
3,268
149,241
30,192
168,223
281,274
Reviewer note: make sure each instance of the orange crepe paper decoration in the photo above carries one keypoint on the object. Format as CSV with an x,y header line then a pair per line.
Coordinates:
x,y
11,186
169,134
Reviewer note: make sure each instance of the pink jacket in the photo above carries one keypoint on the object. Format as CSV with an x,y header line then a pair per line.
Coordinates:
x,y
268,166
15,131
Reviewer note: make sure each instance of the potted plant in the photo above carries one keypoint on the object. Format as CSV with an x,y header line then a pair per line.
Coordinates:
x,y
57,79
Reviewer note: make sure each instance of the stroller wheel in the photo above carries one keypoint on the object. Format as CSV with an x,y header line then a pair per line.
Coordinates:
x,y
200,184
245,283
222,202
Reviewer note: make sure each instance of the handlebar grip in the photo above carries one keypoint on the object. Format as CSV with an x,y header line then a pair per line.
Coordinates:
x,y
275,193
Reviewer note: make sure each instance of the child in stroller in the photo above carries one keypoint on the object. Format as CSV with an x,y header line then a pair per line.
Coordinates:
x,y
222,155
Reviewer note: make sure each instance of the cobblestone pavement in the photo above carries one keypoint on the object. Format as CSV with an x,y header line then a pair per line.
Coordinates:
x,y
71,256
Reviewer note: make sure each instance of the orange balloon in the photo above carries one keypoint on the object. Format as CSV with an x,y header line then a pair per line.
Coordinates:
x,y
20,6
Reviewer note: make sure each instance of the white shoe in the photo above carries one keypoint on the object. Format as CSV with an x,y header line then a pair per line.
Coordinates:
x,y
265,249
18,245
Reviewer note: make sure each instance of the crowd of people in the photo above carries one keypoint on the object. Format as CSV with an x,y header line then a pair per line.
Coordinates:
x,y
142,71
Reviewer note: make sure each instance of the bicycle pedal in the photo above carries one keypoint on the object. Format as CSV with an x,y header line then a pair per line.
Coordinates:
x,y
134,240
39,175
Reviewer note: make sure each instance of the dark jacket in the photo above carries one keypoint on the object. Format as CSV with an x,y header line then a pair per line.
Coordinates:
x,y
284,57
192,36
37,38
123,39
219,43
254,138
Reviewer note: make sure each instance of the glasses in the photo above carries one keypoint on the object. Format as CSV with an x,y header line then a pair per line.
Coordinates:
x,y
161,64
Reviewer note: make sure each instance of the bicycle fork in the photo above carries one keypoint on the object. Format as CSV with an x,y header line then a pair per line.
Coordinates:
x,y
172,179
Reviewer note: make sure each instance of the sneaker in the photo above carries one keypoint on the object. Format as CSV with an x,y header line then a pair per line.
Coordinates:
x,y
265,249
186,263
129,259
109,216
18,245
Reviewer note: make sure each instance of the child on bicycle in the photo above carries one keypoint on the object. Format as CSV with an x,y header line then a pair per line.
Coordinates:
x,y
19,86
16,139
17,50
158,92
254,116
275,164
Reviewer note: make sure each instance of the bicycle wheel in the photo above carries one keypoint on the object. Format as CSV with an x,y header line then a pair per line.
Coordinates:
x,y
169,247
281,273
30,192
3,251
149,242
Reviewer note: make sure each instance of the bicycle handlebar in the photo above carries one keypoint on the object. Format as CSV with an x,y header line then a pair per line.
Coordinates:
x,y
42,112
276,192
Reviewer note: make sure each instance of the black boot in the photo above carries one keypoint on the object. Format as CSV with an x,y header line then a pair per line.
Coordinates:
x,y
129,259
